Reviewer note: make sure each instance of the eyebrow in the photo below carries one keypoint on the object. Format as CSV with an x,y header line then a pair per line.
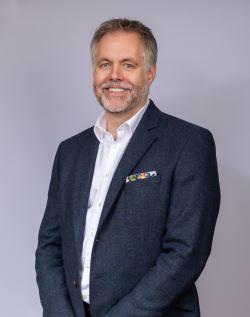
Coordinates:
x,y
132,60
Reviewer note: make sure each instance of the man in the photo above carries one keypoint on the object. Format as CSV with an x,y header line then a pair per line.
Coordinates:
x,y
133,201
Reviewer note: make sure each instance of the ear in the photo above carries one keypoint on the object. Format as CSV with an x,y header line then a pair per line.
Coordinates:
x,y
151,74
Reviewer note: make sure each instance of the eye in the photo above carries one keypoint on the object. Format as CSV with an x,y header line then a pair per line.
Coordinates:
x,y
104,65
128,66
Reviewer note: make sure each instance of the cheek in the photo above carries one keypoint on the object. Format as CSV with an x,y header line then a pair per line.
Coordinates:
x,y
99,78
139,79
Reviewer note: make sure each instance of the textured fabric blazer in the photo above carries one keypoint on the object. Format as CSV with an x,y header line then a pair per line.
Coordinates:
x,y
154,235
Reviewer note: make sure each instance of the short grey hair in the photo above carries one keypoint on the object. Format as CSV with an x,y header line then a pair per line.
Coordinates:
x,y
126,25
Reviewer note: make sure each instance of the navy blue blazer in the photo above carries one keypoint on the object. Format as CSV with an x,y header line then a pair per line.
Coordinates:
x,y
154,235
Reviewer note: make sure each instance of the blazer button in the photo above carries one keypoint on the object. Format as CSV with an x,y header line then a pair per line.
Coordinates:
x,y
75,283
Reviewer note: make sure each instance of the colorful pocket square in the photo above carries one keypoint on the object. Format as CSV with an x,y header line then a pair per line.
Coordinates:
x,y
143,175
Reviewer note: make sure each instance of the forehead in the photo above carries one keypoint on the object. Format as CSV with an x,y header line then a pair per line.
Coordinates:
x,y
120,44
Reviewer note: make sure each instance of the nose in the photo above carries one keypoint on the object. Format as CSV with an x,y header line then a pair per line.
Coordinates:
x,y
116,73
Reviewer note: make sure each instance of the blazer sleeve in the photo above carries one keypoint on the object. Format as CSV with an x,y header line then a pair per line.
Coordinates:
x,y
190,224
50,274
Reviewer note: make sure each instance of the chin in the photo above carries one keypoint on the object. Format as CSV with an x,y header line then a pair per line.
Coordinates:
x,y
115,106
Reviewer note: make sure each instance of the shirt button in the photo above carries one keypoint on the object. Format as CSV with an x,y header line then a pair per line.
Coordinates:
x,y
107,174
75,283
100,203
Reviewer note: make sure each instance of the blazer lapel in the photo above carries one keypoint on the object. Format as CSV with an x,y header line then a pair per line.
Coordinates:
x,y
144,135
82,183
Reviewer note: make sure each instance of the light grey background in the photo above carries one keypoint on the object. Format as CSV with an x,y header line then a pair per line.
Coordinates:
x,y
46,96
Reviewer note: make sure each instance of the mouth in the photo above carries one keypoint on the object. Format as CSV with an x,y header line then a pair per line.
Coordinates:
x,y
114,91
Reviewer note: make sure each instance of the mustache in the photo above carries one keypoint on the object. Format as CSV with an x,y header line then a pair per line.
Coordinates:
x,y
120,85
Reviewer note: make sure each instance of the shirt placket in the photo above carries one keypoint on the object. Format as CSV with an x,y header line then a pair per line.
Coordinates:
x,y
108,160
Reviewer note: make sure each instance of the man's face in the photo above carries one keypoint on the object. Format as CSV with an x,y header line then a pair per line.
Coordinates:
x,y
121,79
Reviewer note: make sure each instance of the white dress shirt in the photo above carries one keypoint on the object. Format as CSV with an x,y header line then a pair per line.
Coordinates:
x,y
109,154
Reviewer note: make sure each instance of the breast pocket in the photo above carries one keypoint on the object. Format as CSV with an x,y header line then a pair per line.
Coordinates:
x,y
142,199
141,183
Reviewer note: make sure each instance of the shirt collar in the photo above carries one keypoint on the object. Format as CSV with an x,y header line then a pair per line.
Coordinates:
x,y
129,126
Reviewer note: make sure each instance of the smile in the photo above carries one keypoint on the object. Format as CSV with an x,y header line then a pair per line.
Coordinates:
x,y
116,89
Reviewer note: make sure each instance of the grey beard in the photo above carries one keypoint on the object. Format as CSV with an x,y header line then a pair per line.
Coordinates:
x,y
131,103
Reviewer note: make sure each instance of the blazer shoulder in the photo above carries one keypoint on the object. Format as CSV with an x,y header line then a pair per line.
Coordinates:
x,y
71,144
182,129
77,138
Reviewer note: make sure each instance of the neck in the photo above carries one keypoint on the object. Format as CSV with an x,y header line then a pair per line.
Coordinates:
x,y
115,119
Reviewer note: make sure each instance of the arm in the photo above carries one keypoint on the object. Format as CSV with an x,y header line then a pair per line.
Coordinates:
x,y
49,262
192,214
